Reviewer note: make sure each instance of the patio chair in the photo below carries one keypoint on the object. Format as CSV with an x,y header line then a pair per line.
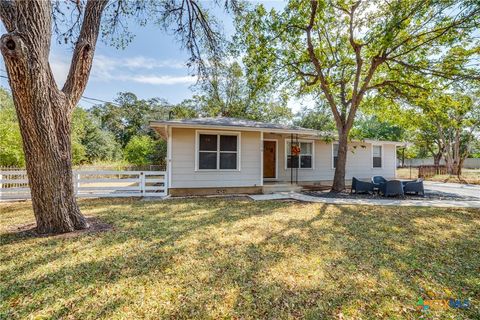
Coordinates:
x,y
392,188
361,186
415,187
377,182
404,182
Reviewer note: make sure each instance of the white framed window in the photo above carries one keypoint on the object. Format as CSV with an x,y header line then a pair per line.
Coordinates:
x,y
217,151
305,160
334,155
377,156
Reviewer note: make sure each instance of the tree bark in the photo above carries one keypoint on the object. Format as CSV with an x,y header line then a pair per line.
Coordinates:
x,y
340,169
45,112
459,168
436,158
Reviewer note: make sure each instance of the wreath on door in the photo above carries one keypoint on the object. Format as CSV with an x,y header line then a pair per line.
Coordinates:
x,y
295,150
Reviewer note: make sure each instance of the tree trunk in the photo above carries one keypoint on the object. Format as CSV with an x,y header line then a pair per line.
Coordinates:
x,y
45,112
46,138
460,166
340,169
436,158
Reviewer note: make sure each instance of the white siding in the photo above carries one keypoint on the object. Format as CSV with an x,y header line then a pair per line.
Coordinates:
x,y
359,161
184,175
183,163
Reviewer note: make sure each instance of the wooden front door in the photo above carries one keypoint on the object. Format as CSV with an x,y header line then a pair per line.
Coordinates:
x,y
269,159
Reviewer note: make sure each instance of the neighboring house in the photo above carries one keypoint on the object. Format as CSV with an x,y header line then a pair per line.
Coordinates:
x,y
226,155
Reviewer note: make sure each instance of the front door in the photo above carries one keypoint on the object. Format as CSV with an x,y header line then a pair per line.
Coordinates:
x,y
269,159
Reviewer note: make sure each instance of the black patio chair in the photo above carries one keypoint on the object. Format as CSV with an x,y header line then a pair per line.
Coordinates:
x,y
361,186
392,188
415,187
377,182
404,182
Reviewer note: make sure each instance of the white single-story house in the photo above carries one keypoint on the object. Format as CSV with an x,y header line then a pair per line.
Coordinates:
x,y
227,155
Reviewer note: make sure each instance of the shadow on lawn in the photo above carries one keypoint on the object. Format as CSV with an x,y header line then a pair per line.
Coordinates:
x,y
207,258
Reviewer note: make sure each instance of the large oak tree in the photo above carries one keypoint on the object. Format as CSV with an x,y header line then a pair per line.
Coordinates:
x,y
45,111
343,51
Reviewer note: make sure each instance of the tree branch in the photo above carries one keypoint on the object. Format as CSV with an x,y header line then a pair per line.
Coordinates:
x,y
83,53
393,83
357,49
438,32
376,61
316,63
437,73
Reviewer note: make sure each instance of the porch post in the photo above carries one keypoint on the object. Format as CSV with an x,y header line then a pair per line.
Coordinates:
x,y
296,168
261,158
291,158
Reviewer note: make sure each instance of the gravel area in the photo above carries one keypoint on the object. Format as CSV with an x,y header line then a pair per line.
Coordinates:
x,y
428,196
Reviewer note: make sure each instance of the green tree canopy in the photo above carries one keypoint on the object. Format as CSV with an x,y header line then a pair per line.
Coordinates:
x,y
141,150
90,143
11,150
227,92
129,116
371,127
345,51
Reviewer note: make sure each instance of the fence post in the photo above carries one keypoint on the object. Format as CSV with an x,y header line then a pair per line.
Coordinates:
x,y
142,183
165,184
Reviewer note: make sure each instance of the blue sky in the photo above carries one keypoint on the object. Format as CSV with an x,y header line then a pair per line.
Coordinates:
x,y
153,65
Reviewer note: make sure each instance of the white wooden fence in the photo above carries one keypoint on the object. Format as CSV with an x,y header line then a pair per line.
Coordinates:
x,y
94,184
469,163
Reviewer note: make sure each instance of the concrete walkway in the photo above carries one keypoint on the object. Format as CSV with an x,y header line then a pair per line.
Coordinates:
x,y
372,202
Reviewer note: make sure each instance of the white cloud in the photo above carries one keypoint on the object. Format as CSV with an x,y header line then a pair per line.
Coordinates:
x,y
104,68
162,80
151,63
107,68
60,66
130,69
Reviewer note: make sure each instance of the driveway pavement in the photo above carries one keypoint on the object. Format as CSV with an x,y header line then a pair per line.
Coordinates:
x,y
369,202
471,193
462,190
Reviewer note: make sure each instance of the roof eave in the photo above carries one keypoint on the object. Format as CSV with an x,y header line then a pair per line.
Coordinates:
x,y
156,124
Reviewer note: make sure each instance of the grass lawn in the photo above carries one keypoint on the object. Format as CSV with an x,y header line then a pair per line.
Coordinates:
x,y
238,259
471,176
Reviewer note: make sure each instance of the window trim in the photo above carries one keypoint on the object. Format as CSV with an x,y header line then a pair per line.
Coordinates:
x,y
333,155
287,154
218,134
382,155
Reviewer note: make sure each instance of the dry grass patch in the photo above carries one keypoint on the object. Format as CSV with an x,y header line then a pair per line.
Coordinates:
x,y
471,176
231,258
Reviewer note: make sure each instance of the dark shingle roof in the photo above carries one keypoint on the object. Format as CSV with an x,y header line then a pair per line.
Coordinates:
x,y
233,122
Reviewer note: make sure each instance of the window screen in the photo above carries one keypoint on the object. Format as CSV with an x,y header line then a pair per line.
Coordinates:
x,y
207,160
217,151
335,155
377,156
228,143
208,142
304,160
